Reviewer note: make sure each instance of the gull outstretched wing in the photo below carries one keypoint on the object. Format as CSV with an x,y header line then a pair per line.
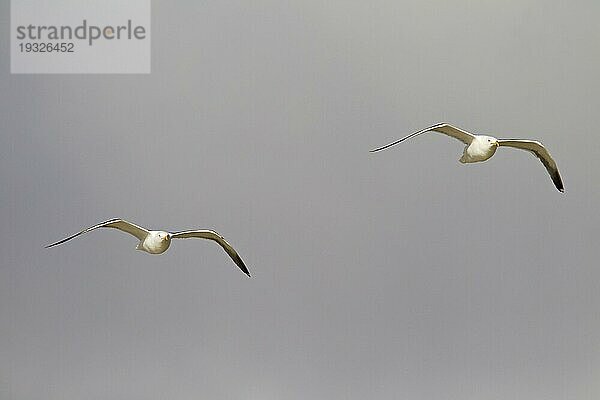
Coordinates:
x,y
540,152
444,128
115,223
212,235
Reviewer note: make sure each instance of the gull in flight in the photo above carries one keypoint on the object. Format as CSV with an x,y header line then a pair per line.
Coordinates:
x,y
157,242
481,148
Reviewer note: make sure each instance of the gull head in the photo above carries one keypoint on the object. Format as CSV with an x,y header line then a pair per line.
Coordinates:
x,y
163,236
490,140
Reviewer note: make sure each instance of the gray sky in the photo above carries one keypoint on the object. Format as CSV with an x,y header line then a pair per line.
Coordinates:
x,y
370,277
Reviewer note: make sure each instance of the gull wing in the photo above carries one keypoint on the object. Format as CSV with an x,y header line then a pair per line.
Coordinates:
x,y
212,235
444,128
540,152
115,223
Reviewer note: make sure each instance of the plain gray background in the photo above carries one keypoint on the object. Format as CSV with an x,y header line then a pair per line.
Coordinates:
x,y
402,274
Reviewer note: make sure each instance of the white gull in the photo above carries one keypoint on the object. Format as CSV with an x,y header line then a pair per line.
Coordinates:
x,y
157,242
481,148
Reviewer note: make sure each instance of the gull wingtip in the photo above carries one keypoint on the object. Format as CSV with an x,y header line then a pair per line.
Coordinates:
x,y
246,271
379,148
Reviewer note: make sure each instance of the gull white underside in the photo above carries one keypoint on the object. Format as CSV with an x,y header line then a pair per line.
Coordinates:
x,y
480,148
157,242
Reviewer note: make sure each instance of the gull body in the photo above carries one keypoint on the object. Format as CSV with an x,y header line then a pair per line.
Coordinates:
x,y
157,242
480,148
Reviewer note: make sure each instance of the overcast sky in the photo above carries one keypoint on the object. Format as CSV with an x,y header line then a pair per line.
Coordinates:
x,y
402,274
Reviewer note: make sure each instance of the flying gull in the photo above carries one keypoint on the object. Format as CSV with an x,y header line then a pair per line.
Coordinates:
x,y
157,242
481,148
